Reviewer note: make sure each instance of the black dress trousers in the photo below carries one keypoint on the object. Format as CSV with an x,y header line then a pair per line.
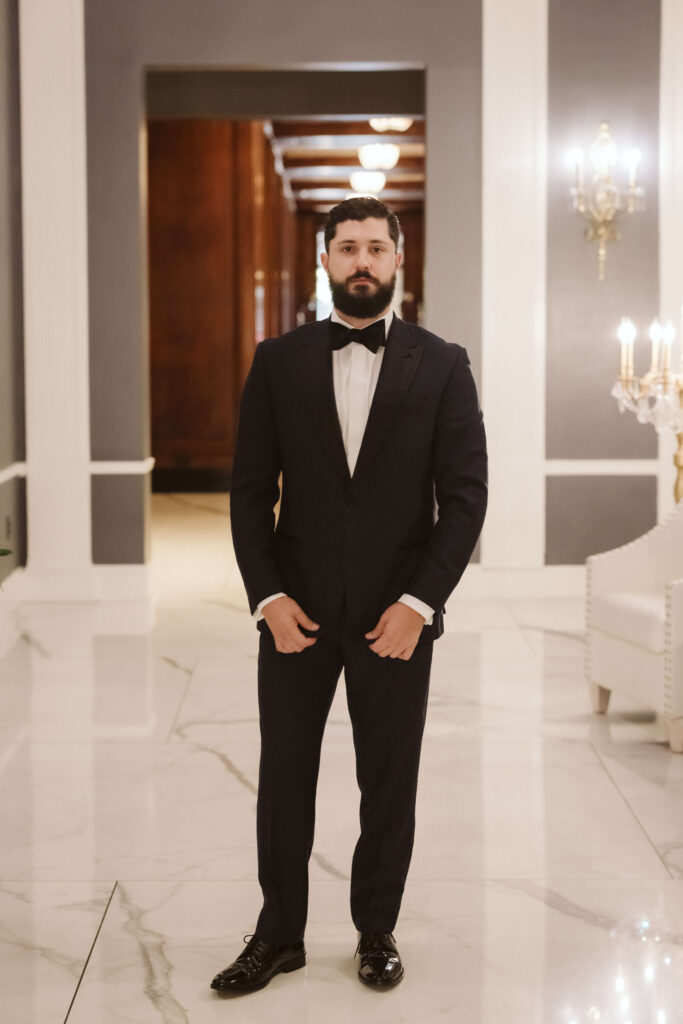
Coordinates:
x,y
387,700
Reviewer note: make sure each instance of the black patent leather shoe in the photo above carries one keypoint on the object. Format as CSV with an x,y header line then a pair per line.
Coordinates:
x,y
257,964
380,963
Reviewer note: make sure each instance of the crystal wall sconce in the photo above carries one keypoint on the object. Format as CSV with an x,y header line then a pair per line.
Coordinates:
x,y
601,201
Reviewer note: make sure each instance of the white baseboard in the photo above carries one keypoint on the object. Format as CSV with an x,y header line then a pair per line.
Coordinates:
x,y
98,583
556,581
128,584
123,582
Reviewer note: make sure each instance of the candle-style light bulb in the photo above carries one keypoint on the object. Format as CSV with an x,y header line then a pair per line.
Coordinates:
x,y
655,333
576,157
668,335
626,335
632,160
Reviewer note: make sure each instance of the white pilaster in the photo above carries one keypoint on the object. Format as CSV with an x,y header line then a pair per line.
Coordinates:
x,y
53,154
670,207
514,280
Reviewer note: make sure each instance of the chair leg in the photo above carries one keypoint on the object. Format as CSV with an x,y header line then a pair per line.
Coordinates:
x,y
600,696
674,727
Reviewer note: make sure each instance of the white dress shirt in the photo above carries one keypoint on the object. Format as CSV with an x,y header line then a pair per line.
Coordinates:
x,y
355,371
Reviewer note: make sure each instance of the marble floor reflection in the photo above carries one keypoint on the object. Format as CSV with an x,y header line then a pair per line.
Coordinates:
x,y
547,879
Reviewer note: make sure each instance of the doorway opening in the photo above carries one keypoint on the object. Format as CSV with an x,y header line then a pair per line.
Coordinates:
x,y
242,170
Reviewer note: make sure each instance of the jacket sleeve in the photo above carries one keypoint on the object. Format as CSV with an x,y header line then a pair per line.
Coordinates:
x,y
254,488
460,487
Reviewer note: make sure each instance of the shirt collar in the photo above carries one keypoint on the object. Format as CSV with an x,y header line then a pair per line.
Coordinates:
x,y
336,319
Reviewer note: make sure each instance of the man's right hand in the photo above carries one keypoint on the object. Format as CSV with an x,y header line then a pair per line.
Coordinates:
x,y
284,616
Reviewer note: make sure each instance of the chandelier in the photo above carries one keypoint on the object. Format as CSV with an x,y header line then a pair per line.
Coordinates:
x,y
378,156
657,396
390,124
368,182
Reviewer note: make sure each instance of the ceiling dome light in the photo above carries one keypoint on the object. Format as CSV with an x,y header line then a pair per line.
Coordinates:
x,y
368,181
391,124
379,156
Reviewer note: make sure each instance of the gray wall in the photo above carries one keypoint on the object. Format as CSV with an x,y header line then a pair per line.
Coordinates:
x,y
125,38
603,63
589,514
12,492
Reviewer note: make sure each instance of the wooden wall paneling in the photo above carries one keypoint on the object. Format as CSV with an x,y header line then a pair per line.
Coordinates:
x,y
245,251
259,170
307,226
412,226
192,307
222,270
288,263
272,242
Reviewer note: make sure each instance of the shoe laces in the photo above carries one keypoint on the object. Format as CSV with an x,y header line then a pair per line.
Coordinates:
x,y
251,955
372,941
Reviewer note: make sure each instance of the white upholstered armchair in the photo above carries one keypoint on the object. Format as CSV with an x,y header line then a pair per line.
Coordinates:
x,y
634,624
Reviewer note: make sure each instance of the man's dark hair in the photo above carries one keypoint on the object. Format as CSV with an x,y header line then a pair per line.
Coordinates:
x,y
360,208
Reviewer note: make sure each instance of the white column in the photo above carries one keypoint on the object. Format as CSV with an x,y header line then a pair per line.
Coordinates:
x,y
52,60
670,209
514,280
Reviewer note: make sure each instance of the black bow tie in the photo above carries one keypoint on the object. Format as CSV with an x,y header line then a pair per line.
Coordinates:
x,y
372,337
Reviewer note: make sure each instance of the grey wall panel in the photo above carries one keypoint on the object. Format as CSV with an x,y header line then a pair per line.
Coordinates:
x,y
589,514
12,524
12,443
453,254
120,507
603,63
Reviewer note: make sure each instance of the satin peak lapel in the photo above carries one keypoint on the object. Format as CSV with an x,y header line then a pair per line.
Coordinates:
x,y
314,367
401,360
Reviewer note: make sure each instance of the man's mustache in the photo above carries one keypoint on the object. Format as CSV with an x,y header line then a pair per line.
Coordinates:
x,y
362,277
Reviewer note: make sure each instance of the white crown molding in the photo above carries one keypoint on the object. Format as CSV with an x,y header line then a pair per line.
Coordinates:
x,y
97,468
11,472
602,467
101,467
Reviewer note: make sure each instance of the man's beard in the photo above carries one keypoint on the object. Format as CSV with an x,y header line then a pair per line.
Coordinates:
x,y
361,302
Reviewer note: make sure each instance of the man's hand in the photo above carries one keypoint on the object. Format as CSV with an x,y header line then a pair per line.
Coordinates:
x,y
284,616
397,632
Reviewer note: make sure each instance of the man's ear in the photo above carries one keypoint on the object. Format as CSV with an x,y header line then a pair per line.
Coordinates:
x,y
399,259
323,260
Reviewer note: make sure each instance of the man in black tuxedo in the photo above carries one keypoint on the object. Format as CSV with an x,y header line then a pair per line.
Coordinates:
x,y
375,426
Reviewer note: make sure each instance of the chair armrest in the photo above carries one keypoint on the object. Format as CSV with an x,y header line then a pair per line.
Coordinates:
x,y
647,563
673,650
631,567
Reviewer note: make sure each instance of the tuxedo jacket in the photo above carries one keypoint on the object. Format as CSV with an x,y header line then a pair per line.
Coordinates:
x,y
407,520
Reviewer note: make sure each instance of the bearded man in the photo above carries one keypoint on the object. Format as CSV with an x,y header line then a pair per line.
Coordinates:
x,y
374,427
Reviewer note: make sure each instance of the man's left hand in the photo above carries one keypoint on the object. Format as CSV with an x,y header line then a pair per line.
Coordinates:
x,y
397,632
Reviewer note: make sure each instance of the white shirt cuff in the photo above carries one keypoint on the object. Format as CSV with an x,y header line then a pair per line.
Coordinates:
x,y
418,606
258,614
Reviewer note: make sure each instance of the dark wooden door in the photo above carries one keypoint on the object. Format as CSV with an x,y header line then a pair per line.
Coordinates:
x,y
221,277
192,311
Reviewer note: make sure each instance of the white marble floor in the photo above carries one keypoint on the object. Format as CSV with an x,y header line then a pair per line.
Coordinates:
x,y
546,883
